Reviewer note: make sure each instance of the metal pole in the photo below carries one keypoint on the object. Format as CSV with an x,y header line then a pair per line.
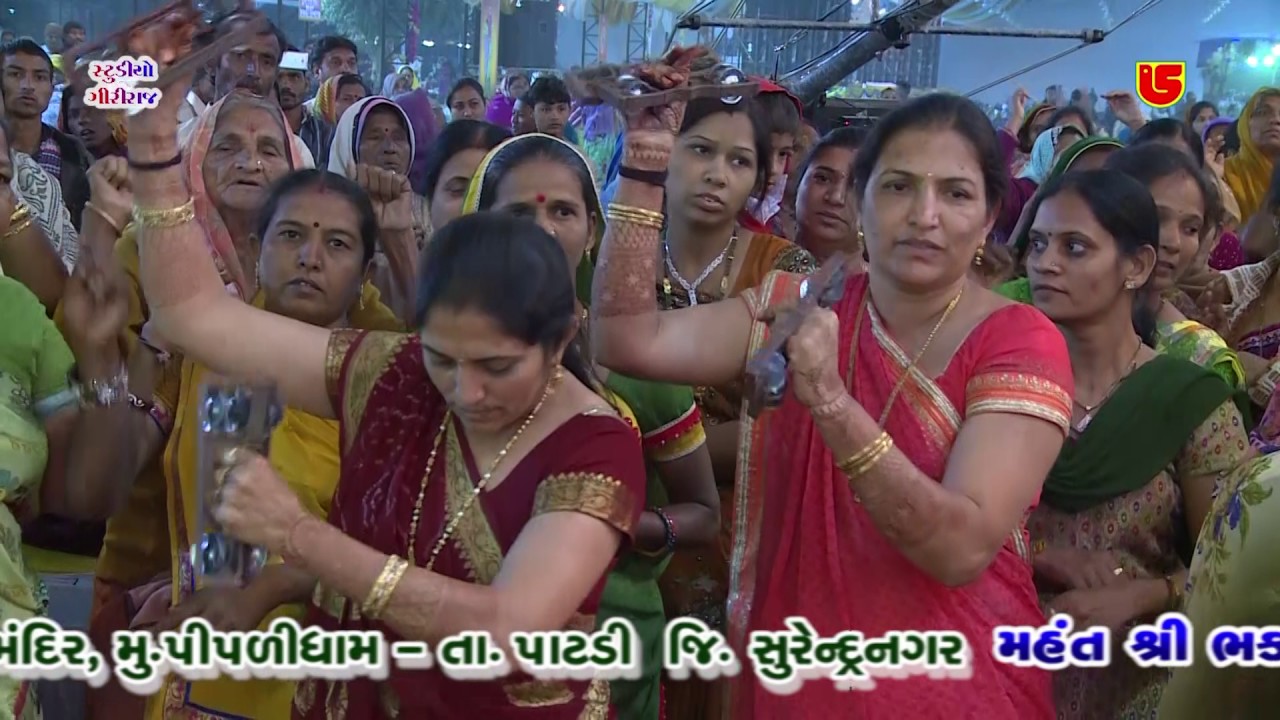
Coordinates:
x,y
697,22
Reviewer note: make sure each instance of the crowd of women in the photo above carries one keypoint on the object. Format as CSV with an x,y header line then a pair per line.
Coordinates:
x,y
515,395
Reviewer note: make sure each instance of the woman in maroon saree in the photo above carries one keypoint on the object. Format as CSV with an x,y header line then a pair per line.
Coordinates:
x,y
485,486
890,488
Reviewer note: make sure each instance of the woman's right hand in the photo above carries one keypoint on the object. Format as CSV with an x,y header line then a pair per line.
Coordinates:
x,y
651,131
1074,569
1213,303
166,41
109,188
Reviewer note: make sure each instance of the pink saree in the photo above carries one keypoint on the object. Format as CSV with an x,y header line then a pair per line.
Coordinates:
x,y
803,546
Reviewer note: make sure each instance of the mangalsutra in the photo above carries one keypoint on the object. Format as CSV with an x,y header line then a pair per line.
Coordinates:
x,y
1091,410
480,486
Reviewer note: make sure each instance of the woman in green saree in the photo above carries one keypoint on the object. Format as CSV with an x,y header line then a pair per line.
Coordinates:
x,y
550,181
1151,436
1087,154
1187,205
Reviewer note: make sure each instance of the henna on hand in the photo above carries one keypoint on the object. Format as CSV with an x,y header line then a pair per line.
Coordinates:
x,y
627,271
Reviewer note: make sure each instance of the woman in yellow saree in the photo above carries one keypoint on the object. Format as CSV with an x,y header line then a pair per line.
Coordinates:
x,y
1248,172
310,270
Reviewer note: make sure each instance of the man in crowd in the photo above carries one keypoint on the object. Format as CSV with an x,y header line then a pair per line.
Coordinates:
x,y
291,88
52,39
28,86
72,35
332,55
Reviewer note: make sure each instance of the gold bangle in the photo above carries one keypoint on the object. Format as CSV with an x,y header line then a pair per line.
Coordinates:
x,y
865,466
168,218
632,210
383,587
855,460
632,220
105,217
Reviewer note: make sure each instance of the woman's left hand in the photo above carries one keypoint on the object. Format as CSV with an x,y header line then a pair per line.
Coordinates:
x,y
226,608
813,356
95,307
391,194
1113,606
255,505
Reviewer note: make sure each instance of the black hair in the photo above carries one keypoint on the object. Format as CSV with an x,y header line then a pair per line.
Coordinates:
x,y
1195,110
509,269
1064,112
1124,208
700,109
26,46
311,179
904,87
1162,130
1231,139
534,147
328,44
1154,161
1027,141
346,79
779,112
457,136
465,82
70,25
550,90
938,111
849,138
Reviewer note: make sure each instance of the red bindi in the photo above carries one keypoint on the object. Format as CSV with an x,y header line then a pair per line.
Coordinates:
x,y
540,198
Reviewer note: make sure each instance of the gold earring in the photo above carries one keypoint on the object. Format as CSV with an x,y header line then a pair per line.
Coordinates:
x,y
977,259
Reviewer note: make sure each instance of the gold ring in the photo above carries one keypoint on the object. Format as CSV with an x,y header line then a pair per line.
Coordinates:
x,y
220,477
232,456
1118,571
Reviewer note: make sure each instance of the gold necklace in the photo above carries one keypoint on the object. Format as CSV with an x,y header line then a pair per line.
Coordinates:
x,y
902,381
480,486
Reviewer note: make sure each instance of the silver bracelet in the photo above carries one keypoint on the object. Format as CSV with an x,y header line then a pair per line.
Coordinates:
x,y
102,393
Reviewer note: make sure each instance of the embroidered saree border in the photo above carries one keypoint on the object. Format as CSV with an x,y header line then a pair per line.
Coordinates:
x,y
1021,394
594,494
473,538
677,438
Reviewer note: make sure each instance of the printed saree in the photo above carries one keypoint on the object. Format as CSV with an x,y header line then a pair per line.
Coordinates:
x,y
34,363
803,546
389,416
1118,487
1232,581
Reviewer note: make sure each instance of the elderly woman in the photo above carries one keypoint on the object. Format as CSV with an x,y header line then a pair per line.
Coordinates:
x,y
376,132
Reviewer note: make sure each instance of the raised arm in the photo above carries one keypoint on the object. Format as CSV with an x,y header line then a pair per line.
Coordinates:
x,y
189,303
701,345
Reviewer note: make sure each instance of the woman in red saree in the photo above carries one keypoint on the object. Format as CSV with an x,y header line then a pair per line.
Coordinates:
x,y
890,488
485,484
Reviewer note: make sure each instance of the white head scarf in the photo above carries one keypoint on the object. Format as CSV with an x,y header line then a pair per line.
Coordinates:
x,y
343,153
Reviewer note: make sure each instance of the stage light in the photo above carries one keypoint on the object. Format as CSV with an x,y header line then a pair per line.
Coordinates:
x,y
1269,60
428,43
1251,61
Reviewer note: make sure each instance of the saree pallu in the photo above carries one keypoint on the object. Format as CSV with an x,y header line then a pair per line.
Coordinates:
x,y
671,428
696,582
803,546
304,451
390,414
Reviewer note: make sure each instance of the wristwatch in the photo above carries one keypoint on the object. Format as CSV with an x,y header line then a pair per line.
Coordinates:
x,y
101,393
